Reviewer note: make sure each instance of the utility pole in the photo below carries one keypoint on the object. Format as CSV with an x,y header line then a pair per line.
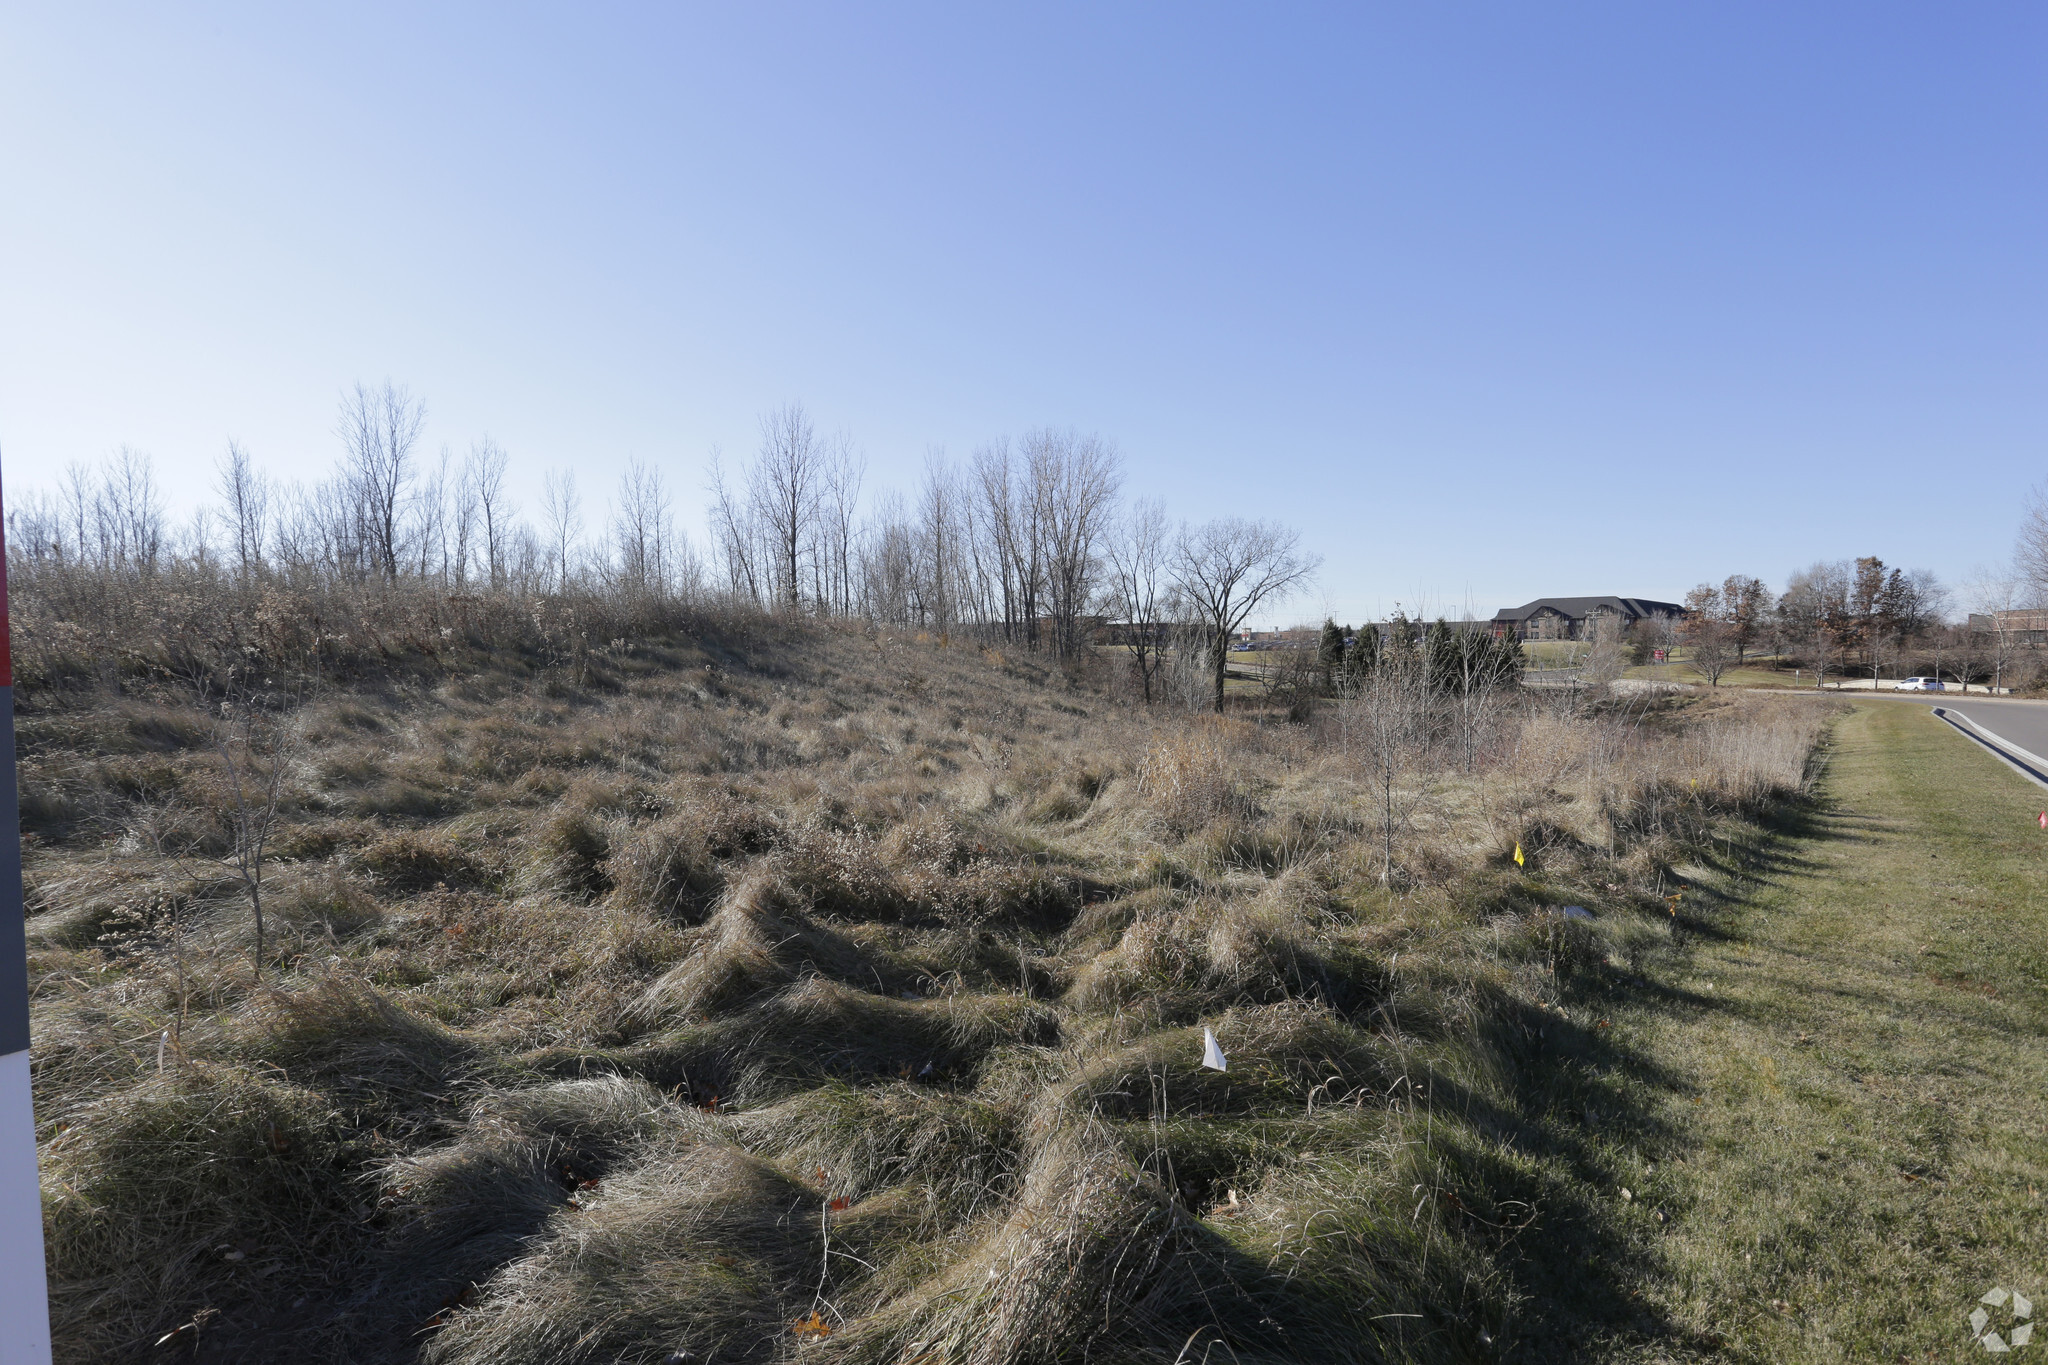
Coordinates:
x,y
24,1284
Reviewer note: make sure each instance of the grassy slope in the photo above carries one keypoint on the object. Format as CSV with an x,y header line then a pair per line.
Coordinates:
x,y
1850,1069
605,999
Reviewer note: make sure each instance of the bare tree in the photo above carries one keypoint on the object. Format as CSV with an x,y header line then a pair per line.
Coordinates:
x,y
427,510
114,512
1009,517
733,535
1225,569
838,503
1710,648
1745,606
1924,602
462,516
136,508
1075,480
562,511
195,545
939,536
888,562
1815,613
528,565
786,482
1140,590
1605,660
293,533
2030,553
76,500
1997,595
35,528
642,530
256,748
483,476
379,430
1710,636
127,513
1385,716
246,495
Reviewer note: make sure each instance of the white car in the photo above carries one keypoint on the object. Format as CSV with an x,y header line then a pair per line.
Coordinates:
x,y
1919,685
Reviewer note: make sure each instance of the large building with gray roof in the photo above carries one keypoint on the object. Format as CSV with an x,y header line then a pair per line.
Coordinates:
x,y
1577,618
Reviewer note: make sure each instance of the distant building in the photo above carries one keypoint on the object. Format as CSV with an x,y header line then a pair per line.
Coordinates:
x,y
1575,618
1300,637
1311,637
1087,628
1159,634
2027,626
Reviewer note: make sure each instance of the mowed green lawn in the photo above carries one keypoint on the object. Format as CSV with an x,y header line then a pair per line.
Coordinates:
x,y
1747,676
1851,1068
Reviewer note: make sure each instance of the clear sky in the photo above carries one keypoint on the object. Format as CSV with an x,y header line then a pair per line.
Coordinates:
x,y
1491,301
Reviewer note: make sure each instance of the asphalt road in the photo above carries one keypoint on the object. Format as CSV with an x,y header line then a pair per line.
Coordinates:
x,y
2025,723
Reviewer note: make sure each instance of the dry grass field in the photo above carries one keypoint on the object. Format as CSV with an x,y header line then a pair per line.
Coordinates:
x,y
800,993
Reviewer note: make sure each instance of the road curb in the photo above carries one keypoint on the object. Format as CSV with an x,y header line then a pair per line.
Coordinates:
x,y
2030,765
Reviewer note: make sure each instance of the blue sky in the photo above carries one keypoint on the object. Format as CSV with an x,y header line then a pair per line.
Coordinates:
x,y
1490,301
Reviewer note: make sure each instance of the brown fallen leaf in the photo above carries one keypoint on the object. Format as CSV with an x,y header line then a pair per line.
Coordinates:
x,y
813,1328
838,1205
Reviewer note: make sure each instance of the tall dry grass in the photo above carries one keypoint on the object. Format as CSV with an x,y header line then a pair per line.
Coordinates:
x,y
812,994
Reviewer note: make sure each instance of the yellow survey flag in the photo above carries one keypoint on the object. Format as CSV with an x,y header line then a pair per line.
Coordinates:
x,y
1518,855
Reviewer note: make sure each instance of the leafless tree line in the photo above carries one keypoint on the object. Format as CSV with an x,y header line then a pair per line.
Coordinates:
x,y
1026,544
1862,618
386,513
1011,544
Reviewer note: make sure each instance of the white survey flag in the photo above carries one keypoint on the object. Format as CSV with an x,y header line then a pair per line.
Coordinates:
x,y
1212,1055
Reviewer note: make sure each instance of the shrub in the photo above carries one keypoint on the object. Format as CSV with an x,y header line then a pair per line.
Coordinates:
x,y
567,856
1191,780
416,860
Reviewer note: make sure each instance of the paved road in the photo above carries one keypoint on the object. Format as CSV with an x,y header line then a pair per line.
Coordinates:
x,y
2025,723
